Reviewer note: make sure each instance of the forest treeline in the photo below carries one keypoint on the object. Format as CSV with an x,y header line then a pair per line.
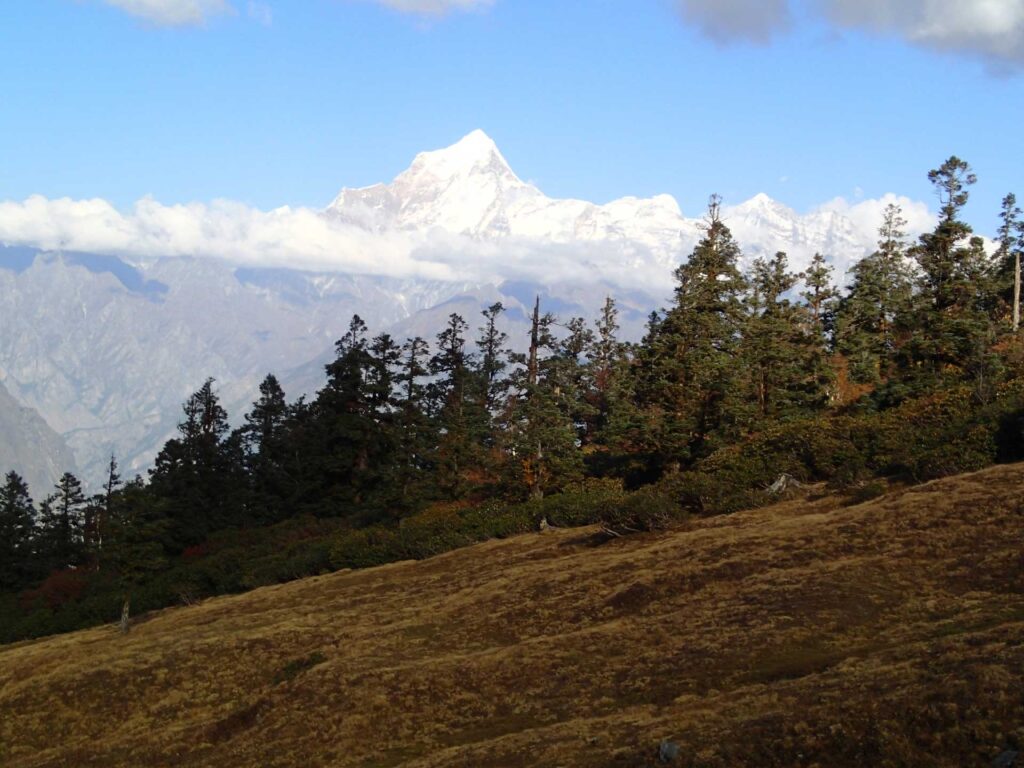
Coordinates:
x,y
412,447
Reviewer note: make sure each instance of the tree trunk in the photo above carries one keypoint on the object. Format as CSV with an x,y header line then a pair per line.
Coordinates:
x,y
532,372
1016,292
125,609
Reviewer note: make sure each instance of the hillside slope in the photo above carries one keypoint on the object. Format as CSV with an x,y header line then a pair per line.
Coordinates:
x,y
889,633
30,447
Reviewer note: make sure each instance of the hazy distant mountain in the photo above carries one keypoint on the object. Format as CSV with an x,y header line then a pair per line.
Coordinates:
x,y
106,348
30,447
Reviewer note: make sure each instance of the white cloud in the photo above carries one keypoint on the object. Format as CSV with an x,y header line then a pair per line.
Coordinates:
x,y
295,237
302,238
260,12
434,7
727,21
990,29
866,215
174,13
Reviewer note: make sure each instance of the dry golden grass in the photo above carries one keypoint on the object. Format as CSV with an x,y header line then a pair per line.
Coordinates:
x,y
808,633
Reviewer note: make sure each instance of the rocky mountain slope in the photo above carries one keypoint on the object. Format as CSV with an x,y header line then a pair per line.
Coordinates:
x,y
30,447
808,633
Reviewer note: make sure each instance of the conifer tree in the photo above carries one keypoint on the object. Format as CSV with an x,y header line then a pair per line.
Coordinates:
x,y
62,524
783,347
196,475
350,451
542,434
417,436
605,356
17,531
492,357
132,551
951,332
687,366
98,513
1007,258
264,441
458,408
871,314
821,294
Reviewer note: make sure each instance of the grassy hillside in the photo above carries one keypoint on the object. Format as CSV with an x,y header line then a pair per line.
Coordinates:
x,y
807,633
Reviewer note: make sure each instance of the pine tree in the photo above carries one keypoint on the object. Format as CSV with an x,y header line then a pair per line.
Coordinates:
x,y
606,357
263,438
492,355
62,525
17,531
869,317
97,515
132,550
347,445
1007,258
820,293
459,409
198,475
416,434
687,366
951,332
542,438
783,347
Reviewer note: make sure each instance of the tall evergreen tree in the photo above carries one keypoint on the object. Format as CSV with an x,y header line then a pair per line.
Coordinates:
x,y
132,551
348,448
98,513
416,434
870,316
62,525
951,332
783,346
820,293
264,441
17,531
606,360
197,475
1007,258
542,434
459,409
492,357
687,366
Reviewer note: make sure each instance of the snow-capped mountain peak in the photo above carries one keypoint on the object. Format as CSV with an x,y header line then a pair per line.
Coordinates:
x,y
473,154
464,189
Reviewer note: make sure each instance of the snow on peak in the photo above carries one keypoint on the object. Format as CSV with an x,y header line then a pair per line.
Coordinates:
x,y
468,189
474,151
473,162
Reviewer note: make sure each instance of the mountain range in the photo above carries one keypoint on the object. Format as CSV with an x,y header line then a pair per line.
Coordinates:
x,y
105,346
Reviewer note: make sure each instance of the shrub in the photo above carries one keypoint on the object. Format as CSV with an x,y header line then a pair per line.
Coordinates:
x,y
645,510
866,492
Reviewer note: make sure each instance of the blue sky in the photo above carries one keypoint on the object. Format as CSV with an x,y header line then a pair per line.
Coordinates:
x,y
286,101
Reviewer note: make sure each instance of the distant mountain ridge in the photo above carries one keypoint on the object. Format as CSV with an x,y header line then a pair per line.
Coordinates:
x,y
106,347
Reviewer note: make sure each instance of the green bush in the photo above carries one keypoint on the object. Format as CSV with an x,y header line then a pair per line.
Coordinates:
x,y
645,510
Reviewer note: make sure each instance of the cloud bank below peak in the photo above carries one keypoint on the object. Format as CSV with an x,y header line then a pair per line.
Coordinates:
x,y
306,239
